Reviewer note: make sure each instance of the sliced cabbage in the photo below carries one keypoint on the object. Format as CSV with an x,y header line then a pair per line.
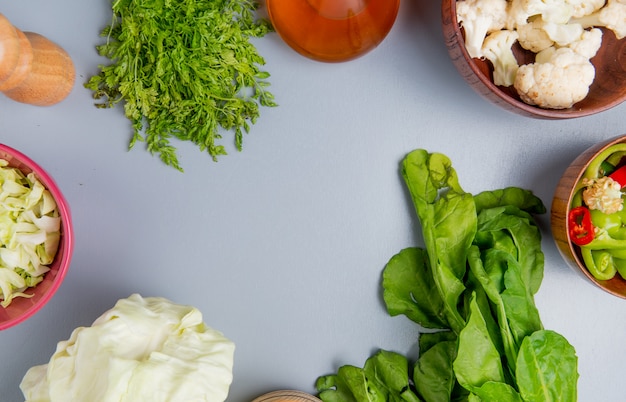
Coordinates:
x,y
29,232
143,349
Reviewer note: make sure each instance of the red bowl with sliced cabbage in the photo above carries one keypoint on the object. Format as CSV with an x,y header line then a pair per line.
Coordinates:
x,y
36,237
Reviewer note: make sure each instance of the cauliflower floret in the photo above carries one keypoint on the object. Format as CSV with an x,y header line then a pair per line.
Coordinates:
x,y
532,36
588,44
497,47
479,18
563,34
537,35
520,11
584,7
603,194
558,79
612,16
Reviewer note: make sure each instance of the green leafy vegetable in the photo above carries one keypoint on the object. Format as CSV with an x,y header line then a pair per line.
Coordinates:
x,y
383,378
184,69
474,282
30,230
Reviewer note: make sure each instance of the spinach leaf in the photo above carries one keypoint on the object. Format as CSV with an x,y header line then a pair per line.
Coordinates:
x,y
448,218
391,371
433,374
510,196
384,377
526,236
478,361
430,339
521,311
409,289
348,385
496,392
475,279
547,368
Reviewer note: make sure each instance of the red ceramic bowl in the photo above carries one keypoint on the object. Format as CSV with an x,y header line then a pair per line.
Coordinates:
x,y
22,308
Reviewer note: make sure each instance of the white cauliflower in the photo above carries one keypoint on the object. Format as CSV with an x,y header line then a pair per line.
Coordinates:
x,y
497,47
584,7
520,11
588,44
557,79
537,34
563,34
612,16
603,194
479,18
532,36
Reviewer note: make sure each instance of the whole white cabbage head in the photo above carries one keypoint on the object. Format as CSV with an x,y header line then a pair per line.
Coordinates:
x,y
143,349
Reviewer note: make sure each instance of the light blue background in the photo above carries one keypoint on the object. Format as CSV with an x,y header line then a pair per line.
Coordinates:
x,y
281,246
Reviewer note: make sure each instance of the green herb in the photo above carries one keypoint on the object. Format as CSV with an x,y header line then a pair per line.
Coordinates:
x,y
474,283
185,69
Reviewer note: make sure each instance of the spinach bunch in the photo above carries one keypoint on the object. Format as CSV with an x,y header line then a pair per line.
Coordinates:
x,y
473,287
184,69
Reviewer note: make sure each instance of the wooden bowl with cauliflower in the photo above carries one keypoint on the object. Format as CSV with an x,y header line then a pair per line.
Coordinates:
x,y
588,218
551,59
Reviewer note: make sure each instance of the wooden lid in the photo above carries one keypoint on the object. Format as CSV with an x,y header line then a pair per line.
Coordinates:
x,y
10,46
287,396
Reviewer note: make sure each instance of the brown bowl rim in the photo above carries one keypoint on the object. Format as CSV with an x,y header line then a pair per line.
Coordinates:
x,y
558,216
287,395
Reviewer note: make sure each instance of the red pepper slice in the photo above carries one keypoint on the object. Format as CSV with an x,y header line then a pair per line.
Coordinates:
x,y
580,226
619,176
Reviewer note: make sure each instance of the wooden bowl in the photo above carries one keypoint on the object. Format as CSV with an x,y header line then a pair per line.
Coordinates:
x,y
559,211
608,89
287,395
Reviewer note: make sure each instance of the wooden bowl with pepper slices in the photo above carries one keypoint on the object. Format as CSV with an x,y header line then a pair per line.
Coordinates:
x,y
588,216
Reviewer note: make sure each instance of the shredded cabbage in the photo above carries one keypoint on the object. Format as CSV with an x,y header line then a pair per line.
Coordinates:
x,y
143,349
29,232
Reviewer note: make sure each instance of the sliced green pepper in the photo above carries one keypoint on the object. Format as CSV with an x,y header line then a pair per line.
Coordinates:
x,y
599,263
620,264
612,223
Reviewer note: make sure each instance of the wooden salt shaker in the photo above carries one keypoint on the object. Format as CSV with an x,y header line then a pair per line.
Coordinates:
x,y
33,69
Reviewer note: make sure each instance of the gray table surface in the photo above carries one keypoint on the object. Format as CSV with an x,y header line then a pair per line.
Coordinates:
x,y
281,246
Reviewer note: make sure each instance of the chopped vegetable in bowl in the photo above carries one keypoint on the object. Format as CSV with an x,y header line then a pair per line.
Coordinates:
x,y
597,219
555,40
29,232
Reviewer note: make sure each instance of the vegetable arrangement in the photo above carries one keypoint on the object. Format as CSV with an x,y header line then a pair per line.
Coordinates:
x,y
473,287
29,232
596,219
564,35
143,349
184,69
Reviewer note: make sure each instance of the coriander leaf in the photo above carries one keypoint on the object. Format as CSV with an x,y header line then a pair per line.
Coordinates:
x,y
184,70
